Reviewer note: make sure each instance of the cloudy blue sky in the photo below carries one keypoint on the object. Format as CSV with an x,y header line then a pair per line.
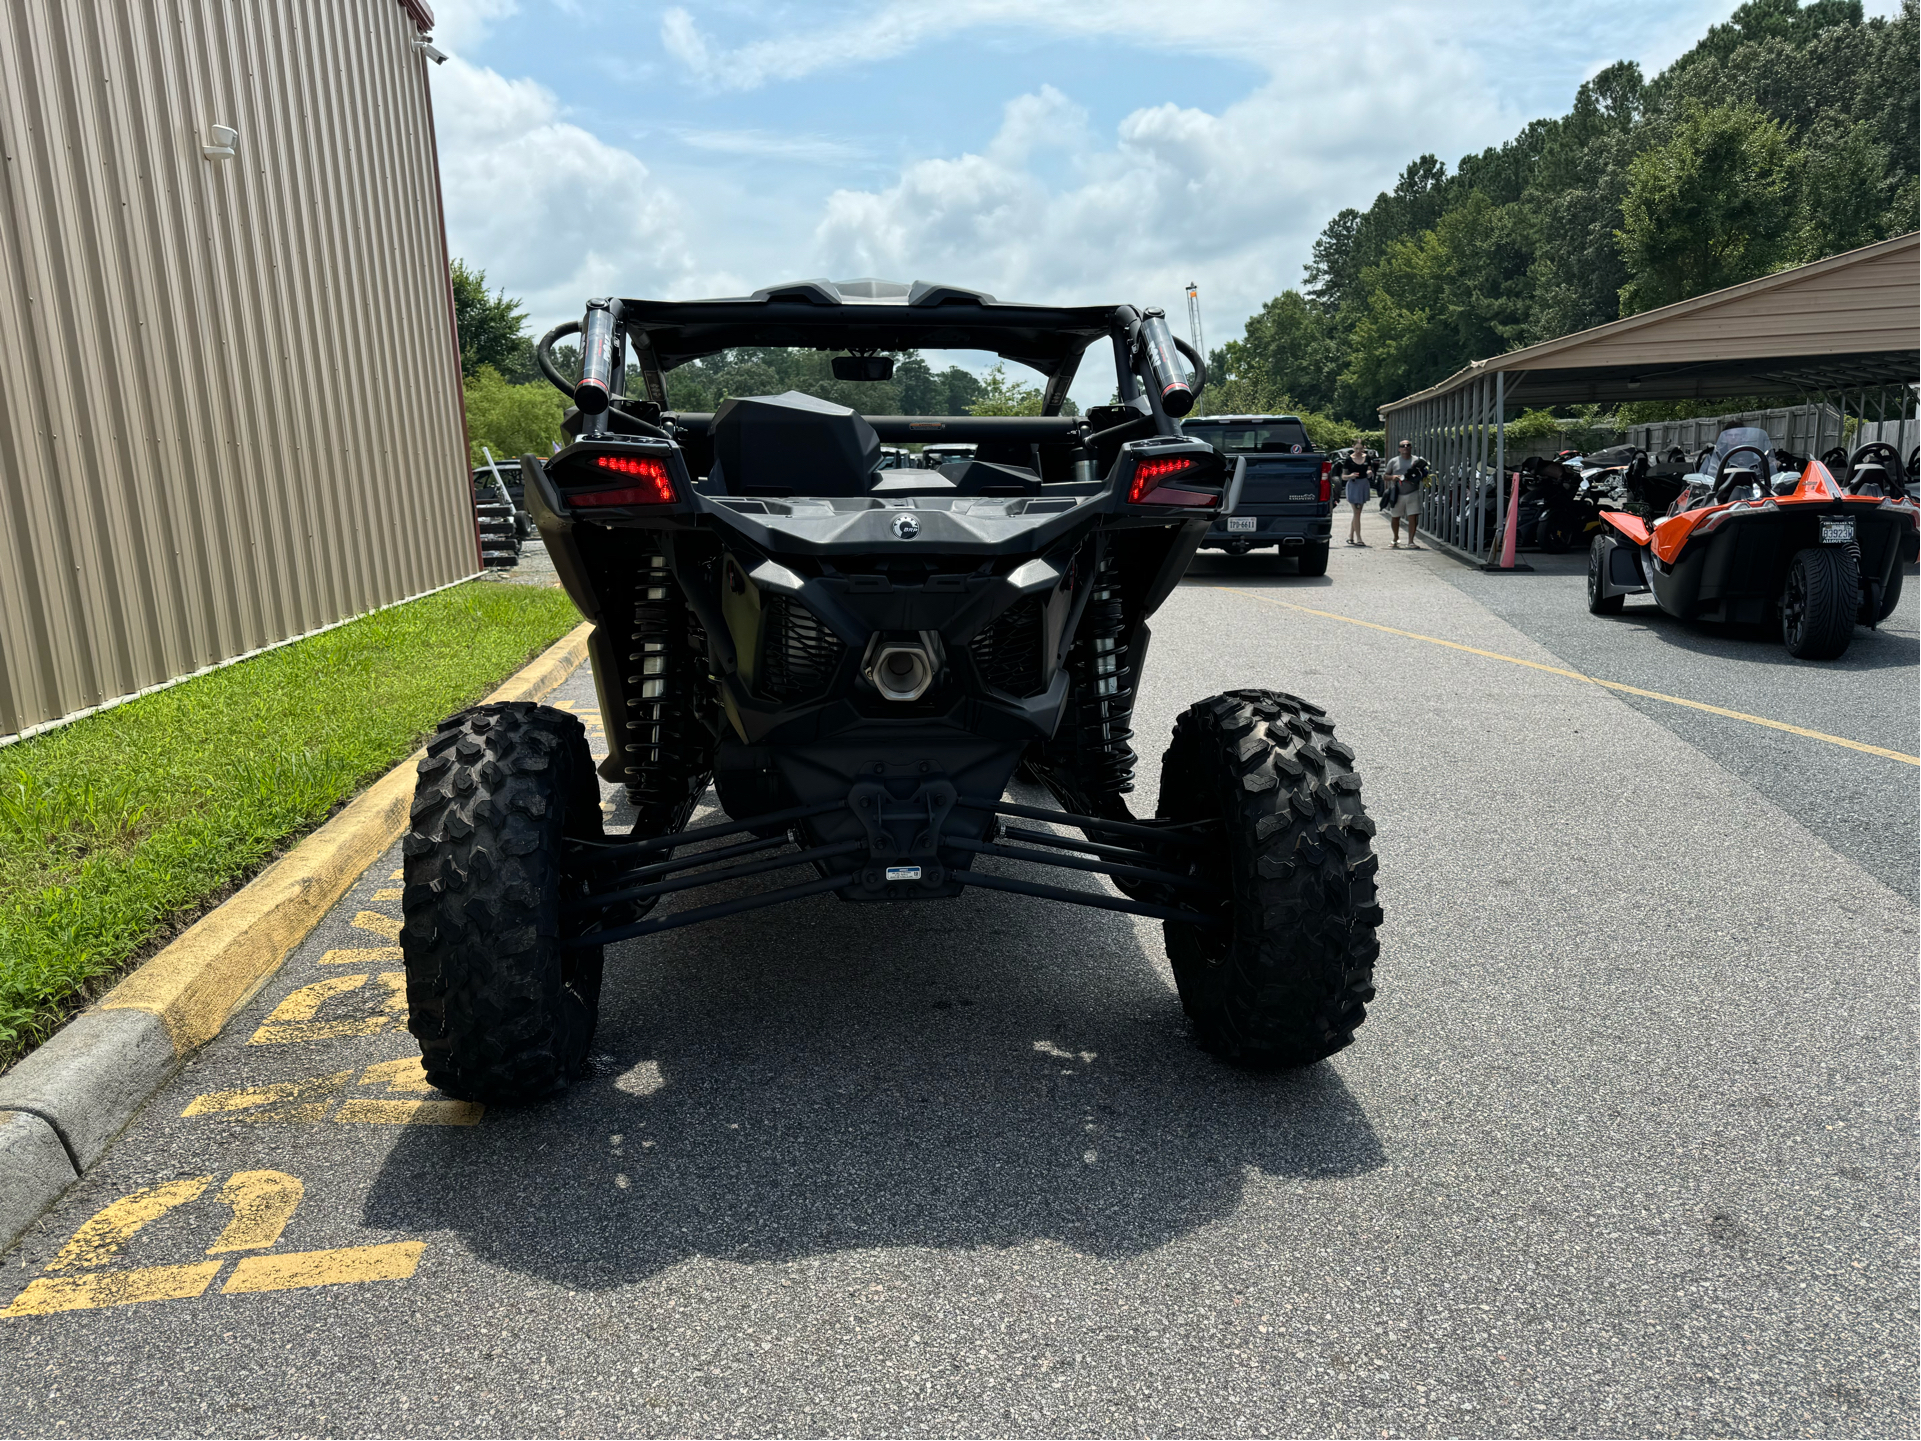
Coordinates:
x,y
1045,150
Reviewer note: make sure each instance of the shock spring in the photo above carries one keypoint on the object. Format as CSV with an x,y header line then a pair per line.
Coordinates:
x,y
662,746
1103,701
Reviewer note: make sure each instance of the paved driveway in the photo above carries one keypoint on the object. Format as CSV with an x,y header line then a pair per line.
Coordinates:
x,y
1627,1145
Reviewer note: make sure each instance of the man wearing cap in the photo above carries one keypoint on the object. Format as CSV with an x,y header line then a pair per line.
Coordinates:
x,y
1399,472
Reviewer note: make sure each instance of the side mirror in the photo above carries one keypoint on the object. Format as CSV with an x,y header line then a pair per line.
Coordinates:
x,y
863,367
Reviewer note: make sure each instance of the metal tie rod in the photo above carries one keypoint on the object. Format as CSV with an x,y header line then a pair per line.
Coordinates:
x,y
1085,898
700,858
709,878
1119,828
1075,863
714,912
1075,843
702,833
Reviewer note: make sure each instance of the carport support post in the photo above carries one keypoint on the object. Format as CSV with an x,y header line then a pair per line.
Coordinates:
x,y
1500,454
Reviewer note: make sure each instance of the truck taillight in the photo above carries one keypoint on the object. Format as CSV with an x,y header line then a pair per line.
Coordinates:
x,y
1327,484
655,488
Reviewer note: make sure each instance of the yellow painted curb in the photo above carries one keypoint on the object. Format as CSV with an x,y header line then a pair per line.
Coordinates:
x,y
219,962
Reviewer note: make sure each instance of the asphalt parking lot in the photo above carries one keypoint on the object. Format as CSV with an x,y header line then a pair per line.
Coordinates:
x,y
1627,1145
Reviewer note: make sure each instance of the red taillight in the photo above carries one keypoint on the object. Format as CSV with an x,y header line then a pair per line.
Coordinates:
x,y
655,487
1147,487
1327,485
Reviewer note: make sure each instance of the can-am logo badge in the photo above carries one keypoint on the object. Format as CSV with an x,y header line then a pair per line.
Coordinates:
x,y
906,527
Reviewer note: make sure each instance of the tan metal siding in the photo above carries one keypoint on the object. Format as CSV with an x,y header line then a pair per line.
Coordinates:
x,y
229,395
1875,305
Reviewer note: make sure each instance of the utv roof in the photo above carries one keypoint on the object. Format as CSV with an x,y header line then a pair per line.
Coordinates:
x,y
865,314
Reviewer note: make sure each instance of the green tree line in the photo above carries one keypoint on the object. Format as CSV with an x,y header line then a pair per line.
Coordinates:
x,y
512,409
1786,135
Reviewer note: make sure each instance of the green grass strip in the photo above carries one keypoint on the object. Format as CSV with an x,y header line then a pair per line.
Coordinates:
x,y
116,828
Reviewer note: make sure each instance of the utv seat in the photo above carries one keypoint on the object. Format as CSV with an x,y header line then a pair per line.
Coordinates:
x,y
792,444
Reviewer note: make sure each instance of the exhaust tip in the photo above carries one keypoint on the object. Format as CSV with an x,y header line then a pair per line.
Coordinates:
x,y
901,671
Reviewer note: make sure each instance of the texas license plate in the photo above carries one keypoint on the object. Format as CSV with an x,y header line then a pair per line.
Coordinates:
x,y
1837,529
1252,522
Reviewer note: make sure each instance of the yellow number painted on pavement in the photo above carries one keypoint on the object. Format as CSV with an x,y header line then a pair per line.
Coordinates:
x,y
307,1101
403,1076
99,1240
293,1019
281,1101
380,925
262,1203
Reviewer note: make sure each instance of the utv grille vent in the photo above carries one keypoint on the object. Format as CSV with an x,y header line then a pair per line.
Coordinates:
x,y
798,654
1008,651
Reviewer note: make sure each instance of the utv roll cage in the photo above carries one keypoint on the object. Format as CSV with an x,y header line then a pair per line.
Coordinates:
x,y
870,317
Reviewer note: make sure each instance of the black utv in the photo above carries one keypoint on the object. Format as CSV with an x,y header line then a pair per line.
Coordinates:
x,y
858,660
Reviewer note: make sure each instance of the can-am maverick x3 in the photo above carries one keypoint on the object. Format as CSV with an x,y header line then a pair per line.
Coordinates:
x,y
858,659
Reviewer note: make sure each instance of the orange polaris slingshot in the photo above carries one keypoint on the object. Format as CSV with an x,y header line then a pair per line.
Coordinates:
x,y
1745,543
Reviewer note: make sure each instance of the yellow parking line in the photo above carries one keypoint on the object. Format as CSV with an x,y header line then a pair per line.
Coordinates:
x,y
45,1295
347,1266
1591,680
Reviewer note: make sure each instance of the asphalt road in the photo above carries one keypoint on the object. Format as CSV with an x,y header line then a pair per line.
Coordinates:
x,y
1627,1146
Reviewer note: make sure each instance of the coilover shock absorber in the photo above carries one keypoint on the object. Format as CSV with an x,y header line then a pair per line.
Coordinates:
x,y
665,746
1098,757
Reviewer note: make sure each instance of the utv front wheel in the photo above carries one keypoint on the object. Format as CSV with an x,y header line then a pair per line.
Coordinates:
x,y
503,1008
1819,602
1289,978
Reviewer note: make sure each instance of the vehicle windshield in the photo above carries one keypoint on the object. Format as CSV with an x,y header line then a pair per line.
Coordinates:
x,y
1241,437
1733,438
947,382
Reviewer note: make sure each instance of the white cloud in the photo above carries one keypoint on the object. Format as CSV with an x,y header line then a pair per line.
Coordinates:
x,y
550,211
463,24
1229,200
894,27
767,144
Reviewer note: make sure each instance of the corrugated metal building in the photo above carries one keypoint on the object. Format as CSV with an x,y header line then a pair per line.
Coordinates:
x,y
230,406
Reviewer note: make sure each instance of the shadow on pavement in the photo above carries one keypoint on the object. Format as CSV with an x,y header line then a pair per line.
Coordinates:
x,y
977,1072
1761,645
1257,568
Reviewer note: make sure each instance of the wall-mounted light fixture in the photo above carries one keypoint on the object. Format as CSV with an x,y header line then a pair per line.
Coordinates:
x,y
224,138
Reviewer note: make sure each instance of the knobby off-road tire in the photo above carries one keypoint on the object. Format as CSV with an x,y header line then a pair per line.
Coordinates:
x,y
1819,602
1287,985
502,1011
1597,602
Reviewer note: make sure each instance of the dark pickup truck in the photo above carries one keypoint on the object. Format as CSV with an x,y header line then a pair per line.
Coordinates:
x,y
1286,495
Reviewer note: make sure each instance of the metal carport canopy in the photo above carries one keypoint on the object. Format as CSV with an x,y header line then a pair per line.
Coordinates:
x,y
1844,323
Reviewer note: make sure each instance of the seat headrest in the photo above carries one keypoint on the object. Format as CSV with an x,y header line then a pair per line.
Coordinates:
x,y
794,444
